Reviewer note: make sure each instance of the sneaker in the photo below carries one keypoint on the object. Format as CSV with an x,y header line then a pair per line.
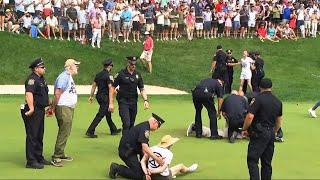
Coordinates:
x,y
175,39
118,41
90,135
125,41
128,40
312,113
189,130
92,46
35,166
139,40
278,139
193,167
233,137
134,40
66,158
216,137
112,40
61,38
98,47
57,162
113,170
45,162
68,38
116,132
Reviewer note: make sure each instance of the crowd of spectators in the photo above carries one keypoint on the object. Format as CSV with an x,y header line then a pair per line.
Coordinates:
x,y
88,21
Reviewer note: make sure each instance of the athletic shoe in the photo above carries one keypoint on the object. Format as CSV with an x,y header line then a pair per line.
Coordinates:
x,y
193,167
216,137
312,113
34,166
113,170
233,137
57,162
117,131
189,130
89,135
66,158
278,139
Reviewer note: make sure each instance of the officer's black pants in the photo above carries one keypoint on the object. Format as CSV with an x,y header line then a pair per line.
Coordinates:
x,y
128,114
228,84
103,112
233,125
133,169
212,113
34,126
261,146
255,81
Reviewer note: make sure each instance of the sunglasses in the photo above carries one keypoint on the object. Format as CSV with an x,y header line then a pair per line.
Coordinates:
x,y
229,53
42,67
132,64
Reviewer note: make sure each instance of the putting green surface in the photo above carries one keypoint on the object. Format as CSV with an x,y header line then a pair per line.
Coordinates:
x,y
296,158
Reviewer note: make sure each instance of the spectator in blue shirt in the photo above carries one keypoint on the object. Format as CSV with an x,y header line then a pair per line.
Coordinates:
x,y
126,16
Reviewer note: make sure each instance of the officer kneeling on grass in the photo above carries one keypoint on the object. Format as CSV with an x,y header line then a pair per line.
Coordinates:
x,y
203,95
262,123
135,143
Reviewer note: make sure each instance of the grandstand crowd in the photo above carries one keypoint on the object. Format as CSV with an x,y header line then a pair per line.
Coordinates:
x,y
121,20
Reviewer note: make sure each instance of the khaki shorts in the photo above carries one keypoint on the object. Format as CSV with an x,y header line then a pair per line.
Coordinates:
x,y
150,27
146,55
174,25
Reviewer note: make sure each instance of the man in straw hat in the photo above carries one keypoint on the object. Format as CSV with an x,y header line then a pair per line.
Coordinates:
x,y
133,143
155,171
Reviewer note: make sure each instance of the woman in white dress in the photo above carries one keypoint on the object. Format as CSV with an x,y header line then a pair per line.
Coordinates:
x,y
246,63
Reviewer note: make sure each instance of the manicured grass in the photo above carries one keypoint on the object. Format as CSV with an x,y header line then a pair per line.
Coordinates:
x,y
296,158
293,66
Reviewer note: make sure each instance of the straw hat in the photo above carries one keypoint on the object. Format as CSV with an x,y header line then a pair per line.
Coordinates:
x,y
167,141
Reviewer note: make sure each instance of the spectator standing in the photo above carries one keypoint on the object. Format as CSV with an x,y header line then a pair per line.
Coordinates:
x,y
72,16
96,24
146,55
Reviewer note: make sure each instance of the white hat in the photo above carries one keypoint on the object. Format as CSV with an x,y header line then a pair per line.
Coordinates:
x,y
146,33
70,62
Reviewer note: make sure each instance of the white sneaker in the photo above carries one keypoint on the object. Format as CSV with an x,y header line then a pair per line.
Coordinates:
x,y
134,40
128,40
68,38
118,41
193,167
139,40
189,130
125,41
312,113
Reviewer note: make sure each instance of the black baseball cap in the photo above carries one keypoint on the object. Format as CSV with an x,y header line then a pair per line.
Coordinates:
x,y
265,83
37,62
132,59
159,119
219,47
107,62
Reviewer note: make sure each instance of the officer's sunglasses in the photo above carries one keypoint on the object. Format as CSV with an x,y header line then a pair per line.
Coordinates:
x,y
42,67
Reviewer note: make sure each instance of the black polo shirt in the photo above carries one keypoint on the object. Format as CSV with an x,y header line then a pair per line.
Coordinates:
x,y
208,88
231,59
135,137
102,80
259,63
235,107
220,58
128,84
266,108
38,87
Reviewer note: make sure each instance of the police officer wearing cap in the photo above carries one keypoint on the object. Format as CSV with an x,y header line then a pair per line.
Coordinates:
x,y
231,61
257,72
128,80
37,99
219,65
203,95
262,122
133,143
103,81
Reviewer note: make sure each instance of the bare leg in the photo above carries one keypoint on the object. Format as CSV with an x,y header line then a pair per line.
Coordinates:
x,y
241,85
150,67
249,84
180,168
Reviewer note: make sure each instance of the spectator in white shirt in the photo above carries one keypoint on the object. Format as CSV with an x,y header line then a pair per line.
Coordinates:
x,y
52,25
29,6
82,18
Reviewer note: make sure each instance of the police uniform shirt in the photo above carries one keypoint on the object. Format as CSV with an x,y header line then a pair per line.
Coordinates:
x,y
208,88
38,87
231,59
220,59
235,106
259,63
103,79
266,108
128,84
135,137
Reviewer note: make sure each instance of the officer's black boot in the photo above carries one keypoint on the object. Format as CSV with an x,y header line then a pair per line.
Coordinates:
x,y
113,170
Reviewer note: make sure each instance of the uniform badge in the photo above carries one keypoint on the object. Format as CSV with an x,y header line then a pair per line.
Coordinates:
x,y
252,101
147,134
111,78
31,82
137,76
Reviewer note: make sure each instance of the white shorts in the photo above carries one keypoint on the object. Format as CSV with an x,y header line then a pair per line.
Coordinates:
x,y
72,26
251,24
245,75
199,26
147,55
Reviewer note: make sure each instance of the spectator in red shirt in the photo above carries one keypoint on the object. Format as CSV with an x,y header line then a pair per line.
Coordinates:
x,y
147,51
219,6
262,32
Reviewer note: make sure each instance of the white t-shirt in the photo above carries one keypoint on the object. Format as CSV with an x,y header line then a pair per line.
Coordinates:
x,y
245,64
52,21
167,156
236,17
135,14
57,3
38,7
252,16
82,16
28,8
160,18
27,21
69,95
300,15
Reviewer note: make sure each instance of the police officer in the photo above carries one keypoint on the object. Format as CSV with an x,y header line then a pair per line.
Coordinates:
x,y
37,99
262,122
103,81
231,61
234,109
257,72
219,65
128,80
203,95
134,143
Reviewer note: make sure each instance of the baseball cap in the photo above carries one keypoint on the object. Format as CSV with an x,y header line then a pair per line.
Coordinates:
x,y
37,62
70,62
132,59
265,83
107,62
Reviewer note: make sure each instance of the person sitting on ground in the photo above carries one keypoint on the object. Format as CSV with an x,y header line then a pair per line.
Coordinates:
x,y
271,33
156,171
262,32
288,33
38,25
11,20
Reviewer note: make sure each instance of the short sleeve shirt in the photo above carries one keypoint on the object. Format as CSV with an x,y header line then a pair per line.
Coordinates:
x,y
38,87
103,79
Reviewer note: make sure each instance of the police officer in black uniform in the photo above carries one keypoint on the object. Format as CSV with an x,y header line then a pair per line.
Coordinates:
x,y
133,143
203,95
231,61
103,81
128,80
257,72
219,66
262,122
37,99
